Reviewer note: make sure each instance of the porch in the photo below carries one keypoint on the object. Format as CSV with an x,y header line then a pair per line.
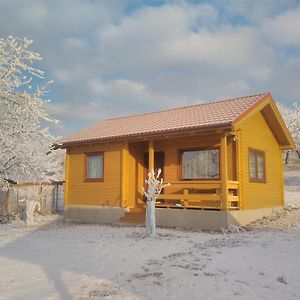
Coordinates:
x,y
201,195
220,194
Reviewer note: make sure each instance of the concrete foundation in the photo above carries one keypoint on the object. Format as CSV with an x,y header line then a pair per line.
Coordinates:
x,y
244,217
94,214
209,220
170,217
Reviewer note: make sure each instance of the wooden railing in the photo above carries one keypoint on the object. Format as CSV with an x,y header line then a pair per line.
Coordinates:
x,y
233,195
199,194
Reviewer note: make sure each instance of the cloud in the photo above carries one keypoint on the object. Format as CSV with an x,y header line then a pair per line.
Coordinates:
x,y
180,57
284,29
96,86
148,34
256,12
110,58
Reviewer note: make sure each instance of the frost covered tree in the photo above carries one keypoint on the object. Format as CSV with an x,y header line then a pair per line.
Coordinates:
x,y
155,186
25,144
291,116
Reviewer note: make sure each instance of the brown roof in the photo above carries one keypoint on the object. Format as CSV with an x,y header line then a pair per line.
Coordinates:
x,y
202,116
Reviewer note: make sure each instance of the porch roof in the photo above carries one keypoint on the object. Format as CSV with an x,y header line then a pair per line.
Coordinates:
x,y
219,114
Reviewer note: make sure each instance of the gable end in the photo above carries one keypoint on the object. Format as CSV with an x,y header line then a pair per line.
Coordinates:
x,y
271,114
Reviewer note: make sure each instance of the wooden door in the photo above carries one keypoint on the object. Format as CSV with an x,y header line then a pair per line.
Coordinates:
x,y
159,161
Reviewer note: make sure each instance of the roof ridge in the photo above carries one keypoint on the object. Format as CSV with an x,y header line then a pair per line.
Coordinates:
x,y
181,107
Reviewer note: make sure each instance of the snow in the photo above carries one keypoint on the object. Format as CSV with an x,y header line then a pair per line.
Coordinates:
x,y
25,142
292,184
53,259
57,260
291,117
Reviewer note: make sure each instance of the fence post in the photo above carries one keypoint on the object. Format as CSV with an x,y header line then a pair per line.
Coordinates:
x,y
17,199
185,200
54,197
6,205
41,199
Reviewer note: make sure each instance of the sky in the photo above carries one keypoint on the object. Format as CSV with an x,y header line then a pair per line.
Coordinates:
x,y
113,58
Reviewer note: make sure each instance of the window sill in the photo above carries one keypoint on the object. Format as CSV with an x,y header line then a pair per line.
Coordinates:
x,y
200,179
257,181
94,180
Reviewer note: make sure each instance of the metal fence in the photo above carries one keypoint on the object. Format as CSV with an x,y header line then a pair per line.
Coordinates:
x,y
50,195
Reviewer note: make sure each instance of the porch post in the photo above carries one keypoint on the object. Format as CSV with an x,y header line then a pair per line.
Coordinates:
x,y
239,167
124,176
151,155
224,173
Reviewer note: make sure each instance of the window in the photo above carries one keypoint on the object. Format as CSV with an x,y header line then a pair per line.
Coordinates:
x,y
94,166
257,166
200,164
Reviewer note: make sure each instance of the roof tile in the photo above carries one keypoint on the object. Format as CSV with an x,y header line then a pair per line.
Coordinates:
x,y
208,115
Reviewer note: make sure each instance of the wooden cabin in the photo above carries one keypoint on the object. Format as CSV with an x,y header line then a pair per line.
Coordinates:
x,y
223,160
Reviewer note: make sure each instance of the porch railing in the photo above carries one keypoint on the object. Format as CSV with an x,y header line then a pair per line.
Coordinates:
x,y
199,194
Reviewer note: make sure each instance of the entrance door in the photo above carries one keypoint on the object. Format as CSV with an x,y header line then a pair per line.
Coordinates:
x,y
159,161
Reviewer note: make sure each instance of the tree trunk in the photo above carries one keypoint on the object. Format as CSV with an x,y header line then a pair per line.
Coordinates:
x,y
150,218
155,187
286,160
30,208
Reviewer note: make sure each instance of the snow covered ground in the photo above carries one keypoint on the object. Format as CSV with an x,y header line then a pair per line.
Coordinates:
x,y
57,260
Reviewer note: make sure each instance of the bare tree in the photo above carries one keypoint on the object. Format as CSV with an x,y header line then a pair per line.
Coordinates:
x,y
155,186
25,144
291,117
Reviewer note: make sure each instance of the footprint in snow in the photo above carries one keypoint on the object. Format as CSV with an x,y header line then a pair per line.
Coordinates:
x,y
281,279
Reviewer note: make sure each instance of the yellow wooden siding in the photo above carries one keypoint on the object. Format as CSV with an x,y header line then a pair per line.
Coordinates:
x,y
134,159
111,190
131,180
140,176
239,167
66,196
256,134
231,153
124,174
136,173
171,148
107,192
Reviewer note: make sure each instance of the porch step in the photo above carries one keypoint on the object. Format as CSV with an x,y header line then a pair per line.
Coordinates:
x,y
134,216
137,210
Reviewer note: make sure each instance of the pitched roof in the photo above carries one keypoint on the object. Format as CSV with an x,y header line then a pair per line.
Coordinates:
x,y
217,114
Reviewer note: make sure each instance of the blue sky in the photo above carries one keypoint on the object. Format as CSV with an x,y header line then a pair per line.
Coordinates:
x,y
111,58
